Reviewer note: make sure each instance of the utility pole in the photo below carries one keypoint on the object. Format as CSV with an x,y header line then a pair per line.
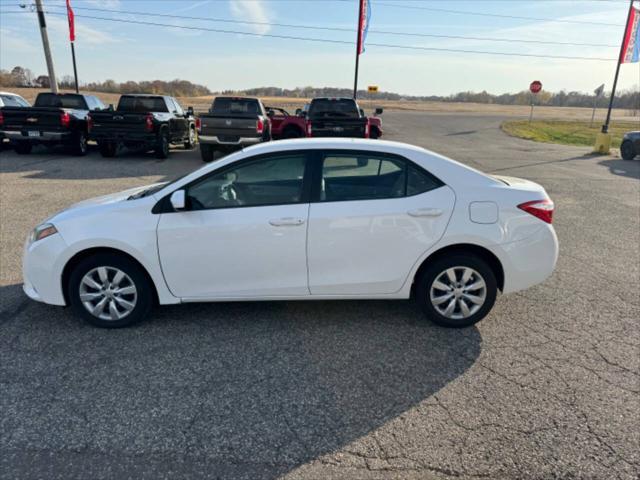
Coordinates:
x,y
47,50
358,45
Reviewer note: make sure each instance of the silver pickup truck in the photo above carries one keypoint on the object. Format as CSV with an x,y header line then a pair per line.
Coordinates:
x,y
232,123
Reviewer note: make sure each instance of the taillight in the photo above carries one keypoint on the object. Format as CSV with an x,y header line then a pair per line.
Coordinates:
x,y
1,119
89,123
65,119
198,124
148,123
309,130
543,209
259,126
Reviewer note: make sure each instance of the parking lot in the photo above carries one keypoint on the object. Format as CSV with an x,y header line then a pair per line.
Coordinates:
x,y
547,386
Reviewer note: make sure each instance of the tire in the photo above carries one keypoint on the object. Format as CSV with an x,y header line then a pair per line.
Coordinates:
x,y
162,148
78,145
627,151
108,149
207,153
292,132
478,301
190,143
22,148
131,275
375,134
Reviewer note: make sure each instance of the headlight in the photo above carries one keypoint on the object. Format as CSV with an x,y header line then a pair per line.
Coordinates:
x,y
42,231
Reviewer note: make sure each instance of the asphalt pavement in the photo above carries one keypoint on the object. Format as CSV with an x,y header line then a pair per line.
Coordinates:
x,y
546,387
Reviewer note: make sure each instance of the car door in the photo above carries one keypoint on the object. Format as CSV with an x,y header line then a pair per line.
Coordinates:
x,y
372,218
243,233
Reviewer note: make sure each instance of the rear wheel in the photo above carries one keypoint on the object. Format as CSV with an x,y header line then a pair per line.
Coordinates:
x,y
627,151
22,148
162,147
207,153
190,143
108,149
78,145
457,291
110,291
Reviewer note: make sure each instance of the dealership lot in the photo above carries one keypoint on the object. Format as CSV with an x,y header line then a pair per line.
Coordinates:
x,y
546,387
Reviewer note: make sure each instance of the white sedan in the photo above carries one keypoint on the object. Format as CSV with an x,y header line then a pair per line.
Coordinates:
x,y
301,219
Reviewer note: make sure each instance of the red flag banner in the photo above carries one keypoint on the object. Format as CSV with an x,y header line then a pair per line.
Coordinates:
x,y
72,26
631,42
363,24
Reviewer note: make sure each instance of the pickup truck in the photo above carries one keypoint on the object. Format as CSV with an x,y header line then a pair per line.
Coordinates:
x,y
143,122
54,119
232,123
341,117
284,125
8,99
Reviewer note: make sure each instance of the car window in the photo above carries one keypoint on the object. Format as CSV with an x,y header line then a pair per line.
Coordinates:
x,y
97,104
268,181
361,177
65,100
12,101
327,107
179,109
142,104
235,106
419,181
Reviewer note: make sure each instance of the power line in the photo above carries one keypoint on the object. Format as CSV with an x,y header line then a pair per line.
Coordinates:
x,y
497,15
338,29
342,42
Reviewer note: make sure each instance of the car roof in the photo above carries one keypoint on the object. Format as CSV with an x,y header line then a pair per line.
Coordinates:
x,y
10,93
335,143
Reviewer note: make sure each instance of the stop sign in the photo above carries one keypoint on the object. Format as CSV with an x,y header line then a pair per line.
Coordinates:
x,y
535,86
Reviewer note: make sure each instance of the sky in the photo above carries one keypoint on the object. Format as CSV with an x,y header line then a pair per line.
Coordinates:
x,y
231,60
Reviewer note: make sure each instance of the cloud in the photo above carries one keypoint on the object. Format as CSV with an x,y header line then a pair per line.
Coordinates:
x,y
252,11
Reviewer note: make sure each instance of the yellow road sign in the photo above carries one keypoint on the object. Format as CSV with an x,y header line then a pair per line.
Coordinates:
x,y
373,88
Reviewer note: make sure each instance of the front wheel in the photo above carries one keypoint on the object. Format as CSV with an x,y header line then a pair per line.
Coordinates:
x,y
627,151
110,291
162,147
457,291
22,148
78,144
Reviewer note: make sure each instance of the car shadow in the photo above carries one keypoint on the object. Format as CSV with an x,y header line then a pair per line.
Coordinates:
x,y
251,389
623,168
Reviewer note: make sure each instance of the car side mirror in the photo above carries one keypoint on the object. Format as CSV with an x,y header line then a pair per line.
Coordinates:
x,y
270,113
111,107
298,111
361,112
178,200
190,111
379,111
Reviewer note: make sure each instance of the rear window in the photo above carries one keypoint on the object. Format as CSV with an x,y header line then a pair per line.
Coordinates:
x,y
67,100
12,101
334,107
235,106
142,104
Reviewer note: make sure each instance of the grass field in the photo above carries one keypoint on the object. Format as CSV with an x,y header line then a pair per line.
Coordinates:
x,y
566,132
201,104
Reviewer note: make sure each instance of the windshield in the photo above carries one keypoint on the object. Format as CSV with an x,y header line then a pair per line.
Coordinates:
x,y
13,101
142,104
67,100
235,106
334,107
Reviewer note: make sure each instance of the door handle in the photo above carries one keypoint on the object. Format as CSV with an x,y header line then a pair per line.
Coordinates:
x,y
287,221
426,212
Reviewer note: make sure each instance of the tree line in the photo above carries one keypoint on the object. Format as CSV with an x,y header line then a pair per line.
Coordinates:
x,y
23,77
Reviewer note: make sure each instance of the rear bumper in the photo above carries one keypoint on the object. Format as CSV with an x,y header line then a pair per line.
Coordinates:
x,y
45,136
530,261
124,137
215,140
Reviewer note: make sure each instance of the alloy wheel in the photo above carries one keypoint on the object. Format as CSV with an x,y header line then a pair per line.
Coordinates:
x,y
458,292
108,293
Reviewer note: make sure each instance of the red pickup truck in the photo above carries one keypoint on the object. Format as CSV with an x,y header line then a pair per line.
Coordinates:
x,y
325,117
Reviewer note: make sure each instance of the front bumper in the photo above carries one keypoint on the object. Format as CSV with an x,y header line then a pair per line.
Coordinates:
x,y
42,278
45,136
215,140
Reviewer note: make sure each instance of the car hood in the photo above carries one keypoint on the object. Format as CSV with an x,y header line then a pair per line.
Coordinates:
x,y
112,197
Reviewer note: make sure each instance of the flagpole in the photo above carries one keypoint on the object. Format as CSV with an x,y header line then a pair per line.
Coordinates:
x,y
358,43
605,127
75,68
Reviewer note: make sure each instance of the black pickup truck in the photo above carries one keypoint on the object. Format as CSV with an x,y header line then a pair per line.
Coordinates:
x,y
341,117
143,122
232,123
54,119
